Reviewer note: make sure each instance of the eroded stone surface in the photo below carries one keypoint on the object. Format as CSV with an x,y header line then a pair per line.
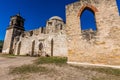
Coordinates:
x,y
45,41
104,48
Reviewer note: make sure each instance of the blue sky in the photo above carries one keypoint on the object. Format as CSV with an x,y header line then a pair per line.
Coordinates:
x,y
87,19
35,12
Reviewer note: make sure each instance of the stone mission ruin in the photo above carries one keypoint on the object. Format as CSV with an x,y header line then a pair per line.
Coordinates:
x,y
49,40
59,39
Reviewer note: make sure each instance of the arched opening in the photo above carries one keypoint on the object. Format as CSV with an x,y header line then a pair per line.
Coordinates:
x,y
87,19
52,46
40,46
61,27
40,51
31,33
19,47
118,5
33,47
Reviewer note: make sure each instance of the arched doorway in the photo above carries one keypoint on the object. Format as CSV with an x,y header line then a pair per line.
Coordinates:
x,y
52,46
19,47
33,47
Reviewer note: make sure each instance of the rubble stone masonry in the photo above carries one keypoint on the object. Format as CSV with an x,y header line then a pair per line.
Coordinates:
x,y
105,47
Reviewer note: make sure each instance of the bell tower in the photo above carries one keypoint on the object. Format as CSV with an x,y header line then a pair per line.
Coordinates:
x,y
16,27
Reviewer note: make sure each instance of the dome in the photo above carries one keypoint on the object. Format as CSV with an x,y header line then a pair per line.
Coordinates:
x,y
56,17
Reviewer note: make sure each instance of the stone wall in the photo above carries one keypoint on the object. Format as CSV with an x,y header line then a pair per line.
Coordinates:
x,y
49,40
59,44
105,47
45,41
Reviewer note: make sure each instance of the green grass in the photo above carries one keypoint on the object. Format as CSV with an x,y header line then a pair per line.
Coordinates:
x,y
106,70
27,69
51,60
8,55
36,67
110,71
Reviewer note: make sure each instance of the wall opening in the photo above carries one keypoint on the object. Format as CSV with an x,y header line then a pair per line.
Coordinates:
x,y
61,27
31,33
49,23
88,22
40,51
33,48
40,46
42,30
118,5
52,46
87,19
19,47
18,22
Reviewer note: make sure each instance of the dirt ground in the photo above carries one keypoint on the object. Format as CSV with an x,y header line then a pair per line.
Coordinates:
x,y
64,72
6,63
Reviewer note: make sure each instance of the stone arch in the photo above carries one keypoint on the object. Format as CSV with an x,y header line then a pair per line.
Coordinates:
x,y
61,27
19,48
33,48
52,46
40,48
88,6
88,11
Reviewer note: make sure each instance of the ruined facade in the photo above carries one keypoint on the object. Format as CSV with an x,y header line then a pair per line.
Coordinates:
x,y
45,41
97,47
59,39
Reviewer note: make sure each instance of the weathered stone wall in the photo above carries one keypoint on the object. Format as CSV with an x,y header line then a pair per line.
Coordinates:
x,y
45,41
13,31
7,41
50,40
59,44
105,48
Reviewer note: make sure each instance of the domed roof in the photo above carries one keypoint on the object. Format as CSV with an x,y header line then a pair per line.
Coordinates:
x,y
56,17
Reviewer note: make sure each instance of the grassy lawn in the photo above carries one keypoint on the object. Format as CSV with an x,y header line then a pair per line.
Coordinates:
x,y
37,67
51,60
